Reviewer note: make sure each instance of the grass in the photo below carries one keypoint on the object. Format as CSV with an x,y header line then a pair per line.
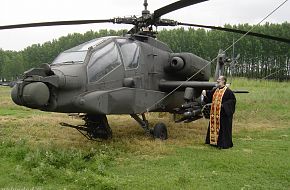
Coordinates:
x,y
37,153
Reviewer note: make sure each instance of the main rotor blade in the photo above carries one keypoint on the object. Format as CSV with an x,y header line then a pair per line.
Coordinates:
x,y
55,23
285,40
174,6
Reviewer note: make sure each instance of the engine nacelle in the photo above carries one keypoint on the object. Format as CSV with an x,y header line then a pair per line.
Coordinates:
x,y
181,66
176,63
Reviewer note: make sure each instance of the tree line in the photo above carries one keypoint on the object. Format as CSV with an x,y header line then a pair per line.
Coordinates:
x,y
259,58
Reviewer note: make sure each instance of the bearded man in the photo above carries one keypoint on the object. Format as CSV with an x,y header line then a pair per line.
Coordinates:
x,y
223,102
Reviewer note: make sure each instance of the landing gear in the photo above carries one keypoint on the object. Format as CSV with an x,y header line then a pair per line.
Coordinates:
x,y
158,132
95,127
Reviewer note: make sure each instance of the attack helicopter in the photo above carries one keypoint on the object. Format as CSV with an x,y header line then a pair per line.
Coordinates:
x,y
130,74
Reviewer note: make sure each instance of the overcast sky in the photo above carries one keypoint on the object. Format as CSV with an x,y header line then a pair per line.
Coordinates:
x,y
213,12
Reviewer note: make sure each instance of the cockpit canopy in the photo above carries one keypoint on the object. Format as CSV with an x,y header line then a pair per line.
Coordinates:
x,y
77,54
106,54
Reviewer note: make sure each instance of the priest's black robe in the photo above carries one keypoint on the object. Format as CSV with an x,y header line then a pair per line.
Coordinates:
x,y
226,118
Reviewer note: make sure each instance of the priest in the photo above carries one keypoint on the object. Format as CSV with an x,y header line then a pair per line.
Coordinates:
x,y
223,101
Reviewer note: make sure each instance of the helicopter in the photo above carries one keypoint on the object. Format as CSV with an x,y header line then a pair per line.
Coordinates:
x,y
131,74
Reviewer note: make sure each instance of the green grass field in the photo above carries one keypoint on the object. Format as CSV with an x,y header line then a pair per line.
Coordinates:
x,y
36,153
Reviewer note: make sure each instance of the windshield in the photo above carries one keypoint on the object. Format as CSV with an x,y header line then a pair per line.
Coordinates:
x,y
103,61
70,57
77,54
130,53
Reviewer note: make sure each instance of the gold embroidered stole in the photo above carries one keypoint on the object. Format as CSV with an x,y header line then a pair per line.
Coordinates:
x,y
215,114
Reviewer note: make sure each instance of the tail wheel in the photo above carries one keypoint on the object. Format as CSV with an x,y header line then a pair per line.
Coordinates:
x,y
160,131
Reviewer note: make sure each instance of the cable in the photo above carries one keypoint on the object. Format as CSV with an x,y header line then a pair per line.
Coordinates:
x,y
272,74
253,27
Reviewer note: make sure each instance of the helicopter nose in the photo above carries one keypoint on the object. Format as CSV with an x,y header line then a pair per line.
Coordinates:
x,y
14,95
34,95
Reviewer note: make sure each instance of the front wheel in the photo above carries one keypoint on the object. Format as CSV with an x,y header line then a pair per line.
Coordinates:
x,y
160,131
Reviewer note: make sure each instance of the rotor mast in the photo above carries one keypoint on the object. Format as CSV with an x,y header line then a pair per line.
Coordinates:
x,y
144,27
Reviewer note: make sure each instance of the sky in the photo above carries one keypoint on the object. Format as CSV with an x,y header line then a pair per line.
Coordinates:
x,y
212,12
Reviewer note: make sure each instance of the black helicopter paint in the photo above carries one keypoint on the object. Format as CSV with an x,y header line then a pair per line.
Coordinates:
x,y
132,74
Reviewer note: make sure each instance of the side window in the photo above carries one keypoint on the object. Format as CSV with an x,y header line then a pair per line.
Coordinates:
x,y
130,54
103,61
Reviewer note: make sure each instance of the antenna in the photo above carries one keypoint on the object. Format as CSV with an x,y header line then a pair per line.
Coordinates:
x,y
145,5
145,12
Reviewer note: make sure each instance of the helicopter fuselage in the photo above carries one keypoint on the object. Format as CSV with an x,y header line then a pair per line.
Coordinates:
x,y
113,75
